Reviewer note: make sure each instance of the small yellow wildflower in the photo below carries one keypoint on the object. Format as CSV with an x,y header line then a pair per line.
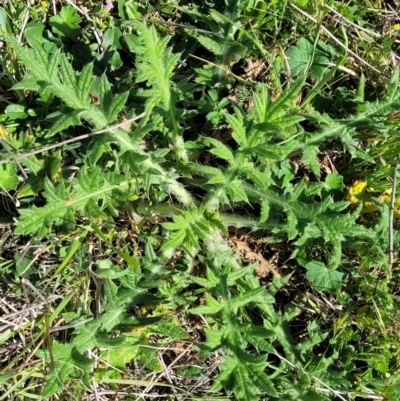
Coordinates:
x,y
396,27
356,192
43,3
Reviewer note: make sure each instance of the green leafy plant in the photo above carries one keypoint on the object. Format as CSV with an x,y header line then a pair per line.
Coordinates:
x,y
160,178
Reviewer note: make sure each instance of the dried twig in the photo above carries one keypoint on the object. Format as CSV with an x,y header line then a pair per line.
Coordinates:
x,y
77,138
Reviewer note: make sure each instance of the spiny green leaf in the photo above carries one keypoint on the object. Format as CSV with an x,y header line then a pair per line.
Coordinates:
x,y
244,388
221,150
67,74
85,83
236,122
176,239
212,45
279,106
54,61
292,224
247,297
310,158
265,208
117,105
260,99
63,202
236,192
65,119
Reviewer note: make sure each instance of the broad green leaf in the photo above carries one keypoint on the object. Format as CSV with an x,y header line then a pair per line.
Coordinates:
x,y
8,177
323,279
34,34
14,111
299,57
66,23
111,38
334,181
28,83
5,22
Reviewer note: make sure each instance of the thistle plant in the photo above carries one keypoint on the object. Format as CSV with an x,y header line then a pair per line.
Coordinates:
x,y
191,192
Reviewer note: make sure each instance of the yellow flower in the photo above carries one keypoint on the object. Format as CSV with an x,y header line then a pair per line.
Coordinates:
x,y
356,192
43,3
396,27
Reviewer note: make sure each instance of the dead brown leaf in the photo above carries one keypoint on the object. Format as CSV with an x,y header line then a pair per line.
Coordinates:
x,y
265,267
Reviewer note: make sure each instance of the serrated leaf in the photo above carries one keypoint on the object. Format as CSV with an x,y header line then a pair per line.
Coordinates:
x,y
84,83
67,364
260,99
261,380
244,388
117,105
176,239
292,225
220,150
265,208
62,202
67,73
214,338
203,282
54,61
236,122
246,297
334,181
259,343
236,191
212,45
310,157
278,107
66,119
